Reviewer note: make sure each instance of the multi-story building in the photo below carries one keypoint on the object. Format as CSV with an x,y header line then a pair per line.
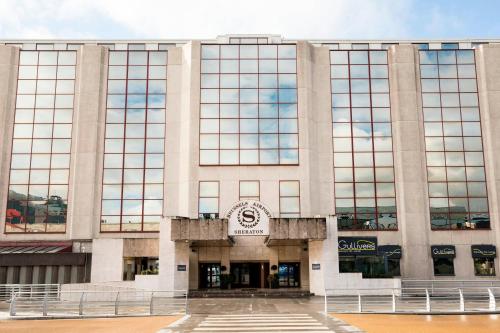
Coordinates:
x,y
311,164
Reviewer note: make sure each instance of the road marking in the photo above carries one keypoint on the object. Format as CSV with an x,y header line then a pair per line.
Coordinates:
x,y
282,322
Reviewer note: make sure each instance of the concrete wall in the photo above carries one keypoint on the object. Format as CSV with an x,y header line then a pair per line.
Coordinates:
x,y
107,260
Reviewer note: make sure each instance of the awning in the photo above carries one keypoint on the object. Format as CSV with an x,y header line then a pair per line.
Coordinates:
x,y
34,247
357,246
483,251
390,251
443,251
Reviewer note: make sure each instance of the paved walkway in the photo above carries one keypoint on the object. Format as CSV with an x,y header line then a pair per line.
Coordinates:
x,y
258,315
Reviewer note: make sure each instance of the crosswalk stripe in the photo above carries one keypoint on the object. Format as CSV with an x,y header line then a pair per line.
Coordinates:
x,y
263,328
260,324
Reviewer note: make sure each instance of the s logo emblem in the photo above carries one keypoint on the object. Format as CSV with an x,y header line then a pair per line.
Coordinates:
x,y
248,216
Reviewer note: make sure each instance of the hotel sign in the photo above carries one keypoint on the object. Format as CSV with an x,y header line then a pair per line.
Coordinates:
x,y
357,246
248,218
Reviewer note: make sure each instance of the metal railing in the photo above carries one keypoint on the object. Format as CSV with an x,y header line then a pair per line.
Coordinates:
x,y
7,290
97,303
413,300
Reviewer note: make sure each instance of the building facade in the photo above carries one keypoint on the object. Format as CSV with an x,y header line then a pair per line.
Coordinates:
x,y
253,161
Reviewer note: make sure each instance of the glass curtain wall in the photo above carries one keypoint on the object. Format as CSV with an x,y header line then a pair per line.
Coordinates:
x,y
41,147
365,197
132,194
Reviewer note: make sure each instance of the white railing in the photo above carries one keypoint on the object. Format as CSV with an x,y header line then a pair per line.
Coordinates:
x,y
97,303
7,290
413,300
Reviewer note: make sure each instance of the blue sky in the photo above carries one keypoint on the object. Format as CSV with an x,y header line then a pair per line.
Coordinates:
x,y
308,19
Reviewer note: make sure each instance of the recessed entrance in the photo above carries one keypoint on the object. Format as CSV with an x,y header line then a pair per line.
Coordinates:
x,y
289,275
209,275
250,274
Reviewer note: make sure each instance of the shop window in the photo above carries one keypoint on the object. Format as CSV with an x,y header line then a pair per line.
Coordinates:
x,y
484,267
139,266
370,266
443,266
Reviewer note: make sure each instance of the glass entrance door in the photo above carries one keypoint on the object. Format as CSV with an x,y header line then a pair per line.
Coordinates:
x,y
289,275
209,275
250,275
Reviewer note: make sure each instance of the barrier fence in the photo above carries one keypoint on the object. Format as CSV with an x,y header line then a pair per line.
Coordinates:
x,y
59,303
413,300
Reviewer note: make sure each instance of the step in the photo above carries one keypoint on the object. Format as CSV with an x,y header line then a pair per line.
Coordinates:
x,y
249,292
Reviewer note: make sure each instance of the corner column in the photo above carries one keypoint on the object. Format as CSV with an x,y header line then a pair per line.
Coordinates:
x,y
9,60
488,74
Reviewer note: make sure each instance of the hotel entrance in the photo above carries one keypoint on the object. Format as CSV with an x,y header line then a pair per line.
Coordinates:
x,y
209,275
250,274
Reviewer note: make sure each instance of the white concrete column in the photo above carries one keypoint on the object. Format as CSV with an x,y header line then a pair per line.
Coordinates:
x,y
172,254
88,143
488,73
409,162
9,59
107,260
324,253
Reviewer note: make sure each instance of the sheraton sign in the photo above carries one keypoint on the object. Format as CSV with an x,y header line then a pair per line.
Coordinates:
x,y
248,218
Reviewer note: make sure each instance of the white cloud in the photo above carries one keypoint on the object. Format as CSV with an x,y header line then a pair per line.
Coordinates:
x,y
313,19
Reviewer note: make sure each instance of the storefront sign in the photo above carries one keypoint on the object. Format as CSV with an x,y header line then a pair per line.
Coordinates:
x,y
443,251
248,218
483,251
316,267
390,251
181,268
352,246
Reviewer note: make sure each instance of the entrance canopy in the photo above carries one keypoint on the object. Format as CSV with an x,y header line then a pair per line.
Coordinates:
x,y
215,231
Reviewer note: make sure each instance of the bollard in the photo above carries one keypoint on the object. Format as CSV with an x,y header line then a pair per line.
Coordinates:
x,y
492,302
393,301
427,301
80,305
116,303
462,303
151,304
360,307
12,308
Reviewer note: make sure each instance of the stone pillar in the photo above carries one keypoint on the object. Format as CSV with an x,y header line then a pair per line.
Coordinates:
x,y
409,162
87,144
172,254
324,253
9,59
488,73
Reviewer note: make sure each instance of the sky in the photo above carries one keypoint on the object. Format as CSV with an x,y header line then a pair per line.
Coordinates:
x,y
292,19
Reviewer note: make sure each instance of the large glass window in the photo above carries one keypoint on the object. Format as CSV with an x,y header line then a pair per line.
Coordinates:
x,y
249,190
248,110
365,196
289,198
208,204
41,147
370,266
454,148
132,194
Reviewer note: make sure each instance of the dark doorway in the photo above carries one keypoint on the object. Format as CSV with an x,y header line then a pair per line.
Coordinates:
x,y
289,274
250,274
209,275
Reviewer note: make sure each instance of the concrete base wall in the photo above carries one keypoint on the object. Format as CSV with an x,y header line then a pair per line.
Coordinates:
x,y
107,260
